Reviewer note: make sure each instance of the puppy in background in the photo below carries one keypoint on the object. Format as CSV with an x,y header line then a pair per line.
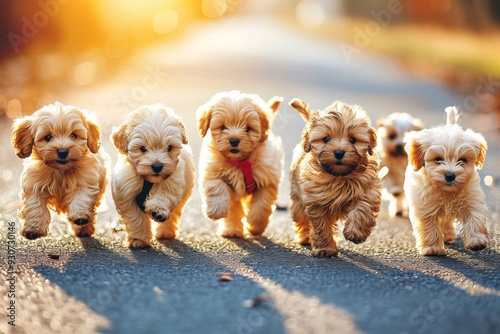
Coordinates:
x,y
241,162
442,185
390,132
63,170
154,176
334,177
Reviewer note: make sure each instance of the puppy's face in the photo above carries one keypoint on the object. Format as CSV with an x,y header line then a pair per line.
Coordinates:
x,y
152,137
390,132
449,155
58,135
340,136
237,122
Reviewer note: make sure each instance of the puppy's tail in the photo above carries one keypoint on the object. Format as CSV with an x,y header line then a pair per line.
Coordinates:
x,y
451,115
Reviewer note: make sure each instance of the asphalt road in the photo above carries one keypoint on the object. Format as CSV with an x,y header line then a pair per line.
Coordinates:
x,y
70,285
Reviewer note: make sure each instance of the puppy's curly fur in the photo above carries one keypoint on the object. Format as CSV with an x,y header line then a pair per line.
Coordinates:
x,y
390,132
153,148
334,177
63,169
442,185
236,127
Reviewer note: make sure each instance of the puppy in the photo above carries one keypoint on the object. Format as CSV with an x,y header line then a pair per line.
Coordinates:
x,y
334,177
154,175
63,169
390,131
241,161
442,184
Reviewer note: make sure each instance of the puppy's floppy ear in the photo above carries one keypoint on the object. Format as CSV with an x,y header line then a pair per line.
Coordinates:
x,y
93,136
302,108
119,138
21,139
183,129
274,103
417,124
306,144
415,148
373,140
264,126
481,147
203,116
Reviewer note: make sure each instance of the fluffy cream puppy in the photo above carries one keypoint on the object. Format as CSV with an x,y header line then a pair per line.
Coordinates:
x,y
390,132
154,176
241,161
334,177
63,169
442,185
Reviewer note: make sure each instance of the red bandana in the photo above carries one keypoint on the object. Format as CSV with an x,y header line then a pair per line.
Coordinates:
x,y
246,168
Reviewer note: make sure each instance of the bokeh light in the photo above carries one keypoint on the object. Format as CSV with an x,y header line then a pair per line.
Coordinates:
x,y
213,8
85,73
489,181
310,13
165,22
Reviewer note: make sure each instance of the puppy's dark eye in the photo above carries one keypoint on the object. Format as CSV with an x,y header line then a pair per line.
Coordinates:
x,y
169,148
144,149
72,136
462,160
439,160
248,128
48,138
326,139
352,140
223,127
392,136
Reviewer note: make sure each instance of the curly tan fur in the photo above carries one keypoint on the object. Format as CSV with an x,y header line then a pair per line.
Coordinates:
x,y
334,177
63,169
247,118
152,136
442,185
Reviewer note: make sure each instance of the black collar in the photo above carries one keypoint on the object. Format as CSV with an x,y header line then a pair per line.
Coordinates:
x,y
141,198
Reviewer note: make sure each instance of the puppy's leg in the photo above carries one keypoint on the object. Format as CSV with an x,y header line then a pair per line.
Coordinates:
x,y
397,206
261,208
323,232
138,227
474,230
36,216
362,219
81,211
428,235
217,197
169,229
449,231
301,221
232,226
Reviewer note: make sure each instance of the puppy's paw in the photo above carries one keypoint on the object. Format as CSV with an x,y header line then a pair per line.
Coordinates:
x,y
356,236
477,243
138,243
84,230
231,233
433,250
324,252
217,211
32,233
80,220
160,215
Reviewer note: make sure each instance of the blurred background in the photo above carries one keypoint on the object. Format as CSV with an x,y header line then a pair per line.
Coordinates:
x,y
112,56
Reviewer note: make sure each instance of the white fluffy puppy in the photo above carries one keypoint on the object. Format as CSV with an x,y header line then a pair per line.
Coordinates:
x,y
442,185
154,176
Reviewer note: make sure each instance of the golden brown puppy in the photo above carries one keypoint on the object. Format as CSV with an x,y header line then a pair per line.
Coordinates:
x,y
442,185
390,132
154,175
241,161
334,177
63,169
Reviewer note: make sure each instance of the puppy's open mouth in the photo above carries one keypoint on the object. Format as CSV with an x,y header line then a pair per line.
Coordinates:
x,y
235,151
62,162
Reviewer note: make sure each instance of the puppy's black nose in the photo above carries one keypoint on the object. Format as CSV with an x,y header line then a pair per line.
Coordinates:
x,y
234,142
449,177
339,154
156,168
62,153
399,149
